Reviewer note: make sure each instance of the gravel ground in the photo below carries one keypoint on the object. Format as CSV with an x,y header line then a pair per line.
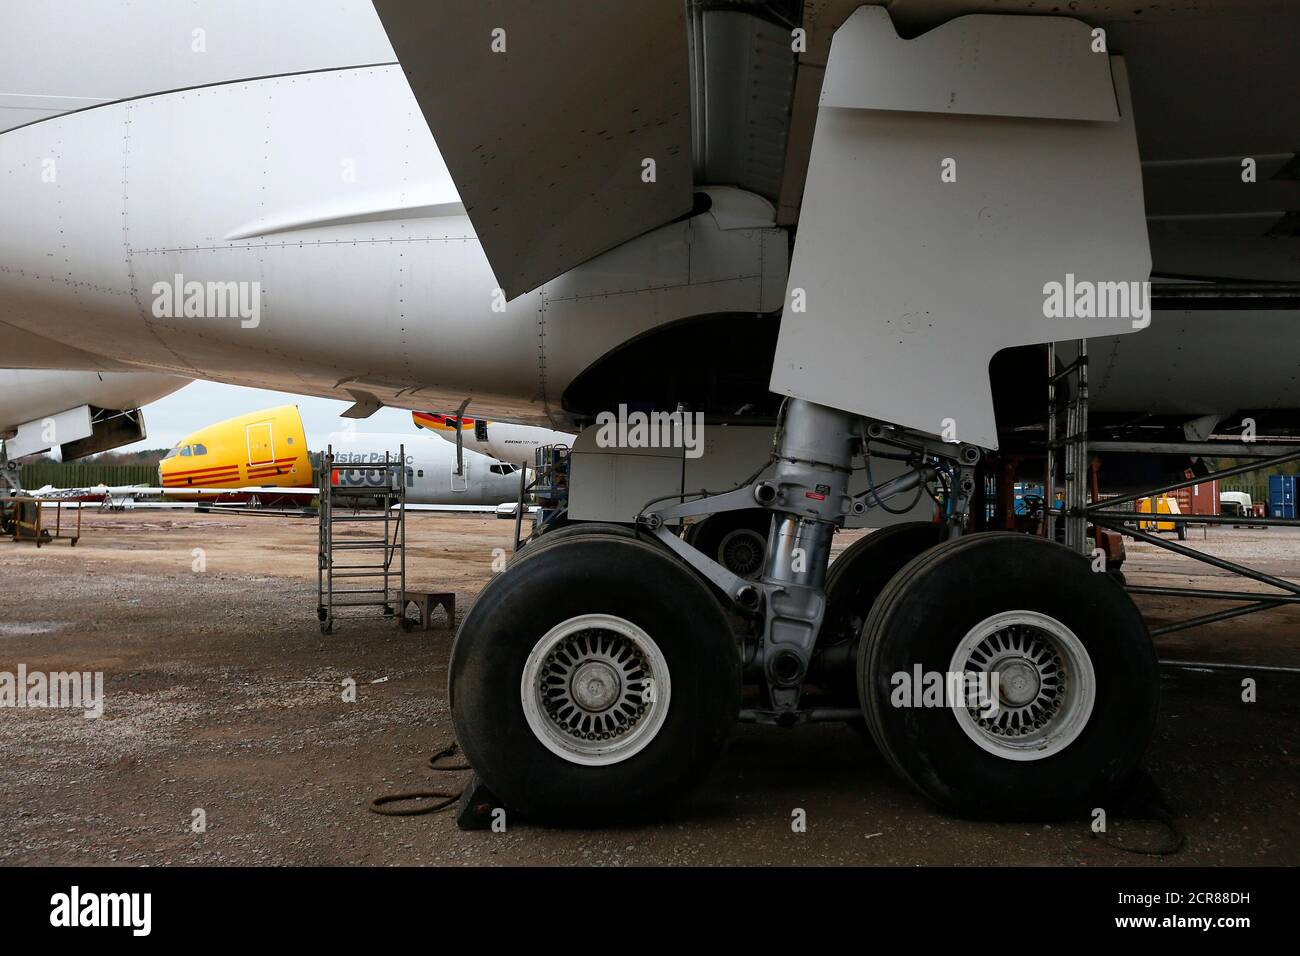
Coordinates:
x,y
222,696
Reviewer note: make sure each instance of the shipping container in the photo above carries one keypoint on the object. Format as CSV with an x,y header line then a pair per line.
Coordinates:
x,y
1202,499
1281,496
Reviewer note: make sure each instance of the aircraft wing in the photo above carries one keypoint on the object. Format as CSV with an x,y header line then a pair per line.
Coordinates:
x,y
249,490
132,491
546,117
538,138
504,510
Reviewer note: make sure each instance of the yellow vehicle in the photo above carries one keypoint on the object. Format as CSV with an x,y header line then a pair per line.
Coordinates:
x,y
265,449
1164,505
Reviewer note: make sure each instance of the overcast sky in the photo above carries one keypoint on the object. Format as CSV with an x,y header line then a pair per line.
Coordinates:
x,y
200,404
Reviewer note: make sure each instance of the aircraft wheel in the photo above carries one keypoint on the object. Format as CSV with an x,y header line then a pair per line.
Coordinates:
x,y
1077,678
594,682
567,531
737,540
853,583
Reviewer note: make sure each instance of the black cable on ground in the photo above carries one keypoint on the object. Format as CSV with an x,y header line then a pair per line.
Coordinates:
x,y
443,799
1146,801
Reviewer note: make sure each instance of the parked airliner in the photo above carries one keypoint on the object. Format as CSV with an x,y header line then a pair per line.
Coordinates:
x,y
841,234
265,453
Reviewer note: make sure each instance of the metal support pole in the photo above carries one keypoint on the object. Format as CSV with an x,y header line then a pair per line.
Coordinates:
x,y
1217,616
1221,448
1147,517
519,509
1220,563
389,493
1211,595
1225,473
1049,481
460,439
1076,451
401,530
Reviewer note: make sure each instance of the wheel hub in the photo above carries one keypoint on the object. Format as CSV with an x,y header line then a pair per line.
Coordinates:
x,y
595,686
1018,682
742,552
595,689
1043,679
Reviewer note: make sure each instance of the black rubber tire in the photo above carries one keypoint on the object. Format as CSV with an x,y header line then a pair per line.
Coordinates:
x,y
573,529
932,604
862,570
853,584
590,574
708,536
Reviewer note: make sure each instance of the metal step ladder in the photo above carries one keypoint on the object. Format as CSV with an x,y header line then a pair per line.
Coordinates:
x,y
365,569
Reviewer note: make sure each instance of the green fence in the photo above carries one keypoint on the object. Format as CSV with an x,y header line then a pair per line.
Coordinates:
x,y
75,474
1258,492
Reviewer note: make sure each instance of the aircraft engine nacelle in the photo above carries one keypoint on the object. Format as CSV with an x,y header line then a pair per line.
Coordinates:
x,y
80,413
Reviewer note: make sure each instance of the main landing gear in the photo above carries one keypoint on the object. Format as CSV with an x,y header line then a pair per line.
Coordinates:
x,y
599,677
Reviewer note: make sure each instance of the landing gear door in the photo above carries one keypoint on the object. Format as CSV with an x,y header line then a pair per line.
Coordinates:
x,y
975,188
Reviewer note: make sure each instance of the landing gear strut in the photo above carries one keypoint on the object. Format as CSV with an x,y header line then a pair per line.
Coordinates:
x,y
10,475
807,498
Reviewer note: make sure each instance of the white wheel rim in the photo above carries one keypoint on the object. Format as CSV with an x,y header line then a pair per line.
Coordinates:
x,y
742,552
595,689
1047,685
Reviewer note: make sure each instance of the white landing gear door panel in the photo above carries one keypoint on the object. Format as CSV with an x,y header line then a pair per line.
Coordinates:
x,y
972,189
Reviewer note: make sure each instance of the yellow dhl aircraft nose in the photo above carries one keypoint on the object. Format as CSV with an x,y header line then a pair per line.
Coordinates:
x,y
265,449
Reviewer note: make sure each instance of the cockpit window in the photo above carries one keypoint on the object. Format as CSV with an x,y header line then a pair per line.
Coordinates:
x,y
185,452
504,469
200,449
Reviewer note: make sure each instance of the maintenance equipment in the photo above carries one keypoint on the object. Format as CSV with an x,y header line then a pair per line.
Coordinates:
x,y
24,518
371,495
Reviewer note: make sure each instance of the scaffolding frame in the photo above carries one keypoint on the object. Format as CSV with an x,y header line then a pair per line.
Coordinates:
x,y
1076,511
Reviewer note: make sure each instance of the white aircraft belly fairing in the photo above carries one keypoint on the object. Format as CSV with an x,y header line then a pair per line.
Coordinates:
x,y
356,283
